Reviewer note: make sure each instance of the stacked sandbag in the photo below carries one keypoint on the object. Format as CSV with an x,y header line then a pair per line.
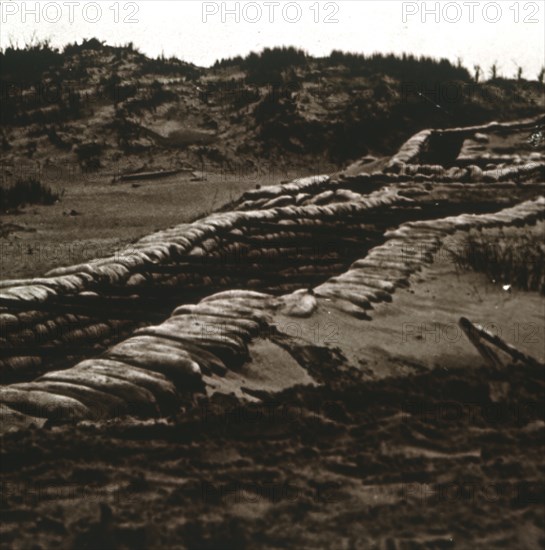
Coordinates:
x,y
258,198
425,142
387,267
137,266
495,127
409,152
36,327
289,244
33,339
149,374
532,171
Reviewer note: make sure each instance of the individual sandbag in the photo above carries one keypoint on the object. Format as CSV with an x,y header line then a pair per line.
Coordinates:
x,y
176,366
346,195
22,337
140,401
230,352
163,390
383,264
240,306
244,328
386,278
302,198
31,293
8,323
221,308
322,198
351,277
208,361
372,294
300,303
357,298
43,404
396,257
283,200
101,404
227,294
20,363
235,337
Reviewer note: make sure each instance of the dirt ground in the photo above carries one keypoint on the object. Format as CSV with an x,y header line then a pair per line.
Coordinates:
x,y
408,441
95,216
443,459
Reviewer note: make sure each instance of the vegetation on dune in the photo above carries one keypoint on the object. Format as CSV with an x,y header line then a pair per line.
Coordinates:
x,y
271,104
266,67
403,67
516,259
26,191
27,64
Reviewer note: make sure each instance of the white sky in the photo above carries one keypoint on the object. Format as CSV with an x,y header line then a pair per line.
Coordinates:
x,y
179,28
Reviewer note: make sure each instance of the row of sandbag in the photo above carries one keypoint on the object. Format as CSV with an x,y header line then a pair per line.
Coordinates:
x,y
454,198
387,267
151,372
327,190
493,127
410,151
134,271
21,318
495,159
28,345
437,173
128,268
345,189
232,239
216,234
158,248
146,374
301,185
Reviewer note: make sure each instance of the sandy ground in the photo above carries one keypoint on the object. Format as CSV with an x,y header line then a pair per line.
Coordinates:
x,y
96,217
420,446
405,440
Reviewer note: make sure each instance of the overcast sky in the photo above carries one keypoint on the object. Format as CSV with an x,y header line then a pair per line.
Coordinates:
x,y
507,32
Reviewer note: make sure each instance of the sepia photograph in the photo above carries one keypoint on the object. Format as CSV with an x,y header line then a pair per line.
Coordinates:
x,y
272,275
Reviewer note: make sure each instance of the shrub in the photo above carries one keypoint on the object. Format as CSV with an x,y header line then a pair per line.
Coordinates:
x,y
26,191
91,44
408,68
89,155
153,98
516,259
267,67
26,65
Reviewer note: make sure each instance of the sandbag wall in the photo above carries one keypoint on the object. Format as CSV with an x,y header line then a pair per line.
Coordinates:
x,y
441,145
341,189
376,277
278,239
151,372
84,308
77,311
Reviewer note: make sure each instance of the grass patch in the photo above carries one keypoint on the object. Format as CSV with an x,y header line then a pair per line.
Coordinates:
x,y
514,258
26,191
